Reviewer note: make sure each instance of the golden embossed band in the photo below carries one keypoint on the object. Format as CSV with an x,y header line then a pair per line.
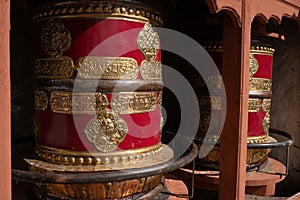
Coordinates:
x,y
134,102
214,82
257,139
99,11
62,67
260,84
108,190
151,70
60,156
40,100
210,101
266,105
253,155
91,103
255,49
77,103
254,105
95,67
262,50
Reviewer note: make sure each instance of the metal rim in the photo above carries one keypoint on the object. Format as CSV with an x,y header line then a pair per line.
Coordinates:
x,y
108,176
279,144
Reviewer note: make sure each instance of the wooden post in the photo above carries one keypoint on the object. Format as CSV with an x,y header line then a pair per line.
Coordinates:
x,y
5,142
235,75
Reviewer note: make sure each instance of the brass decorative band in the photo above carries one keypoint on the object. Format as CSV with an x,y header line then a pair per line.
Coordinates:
x,y
134,102
254,105
214,82
257,139
61,67
67,157
213,102
151,70
90,103
260,84
255,49
266,105
56,39
109,190
95,67
217,47
77,103
262,50
40,100
254,156
99,11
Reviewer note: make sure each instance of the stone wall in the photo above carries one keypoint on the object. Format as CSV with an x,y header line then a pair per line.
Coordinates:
x,y
285,110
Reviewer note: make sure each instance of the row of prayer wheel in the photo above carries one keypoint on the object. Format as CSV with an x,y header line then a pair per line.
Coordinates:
x,y
260,93
98,94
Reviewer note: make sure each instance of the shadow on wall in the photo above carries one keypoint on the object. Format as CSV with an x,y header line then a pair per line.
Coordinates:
x,y
285,110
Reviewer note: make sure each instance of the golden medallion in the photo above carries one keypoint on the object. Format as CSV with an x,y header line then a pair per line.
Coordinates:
x,y
106,130
148,42
55,40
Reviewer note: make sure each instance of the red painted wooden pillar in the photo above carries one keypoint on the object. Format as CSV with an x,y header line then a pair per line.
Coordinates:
x,y
234,135
5,155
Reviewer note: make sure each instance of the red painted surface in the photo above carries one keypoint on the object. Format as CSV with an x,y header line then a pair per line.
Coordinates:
x,y
265,66
66,131
255,119
91,37
110,38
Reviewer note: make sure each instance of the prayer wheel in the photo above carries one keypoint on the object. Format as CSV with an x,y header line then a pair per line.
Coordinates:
x,y
98,92
261,59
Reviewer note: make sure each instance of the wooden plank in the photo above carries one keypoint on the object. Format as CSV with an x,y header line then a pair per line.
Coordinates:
x,y
5,147
234,134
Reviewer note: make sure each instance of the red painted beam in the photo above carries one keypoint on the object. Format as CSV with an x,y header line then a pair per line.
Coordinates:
x,y
5,125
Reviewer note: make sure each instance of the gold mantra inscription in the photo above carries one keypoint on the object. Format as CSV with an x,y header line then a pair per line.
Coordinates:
x,y
151,70
260,84
91,103
254,105
40,100
210,101
94,67
77,103
62,67
135,102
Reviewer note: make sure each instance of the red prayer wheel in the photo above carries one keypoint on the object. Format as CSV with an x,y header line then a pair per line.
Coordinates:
x,y
98,91
261,60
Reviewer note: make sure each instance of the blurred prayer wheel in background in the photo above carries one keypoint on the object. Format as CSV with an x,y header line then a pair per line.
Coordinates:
x,y
98,91
261,58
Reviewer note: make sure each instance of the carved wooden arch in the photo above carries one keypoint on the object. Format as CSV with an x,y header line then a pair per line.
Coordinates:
x,y
233,8
276,9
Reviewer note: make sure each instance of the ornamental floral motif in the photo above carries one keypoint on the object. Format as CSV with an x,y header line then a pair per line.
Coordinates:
x,y
106,131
